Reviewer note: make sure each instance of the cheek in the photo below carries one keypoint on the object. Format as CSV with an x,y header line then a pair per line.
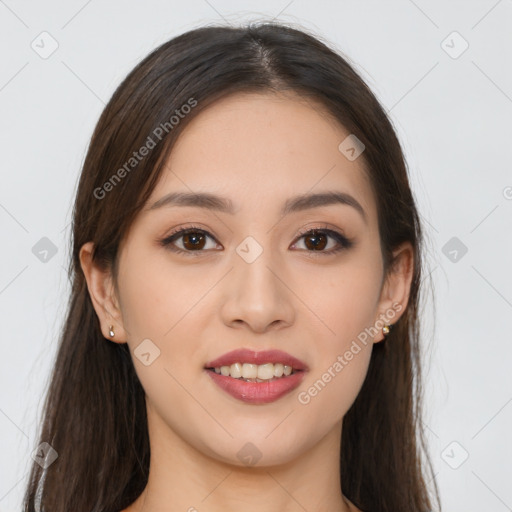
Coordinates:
x,y
342,303
165,307
159,305
342,356
155,300
345,306
334,384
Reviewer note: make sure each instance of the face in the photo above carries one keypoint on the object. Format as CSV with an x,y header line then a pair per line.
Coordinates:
x,y
307,282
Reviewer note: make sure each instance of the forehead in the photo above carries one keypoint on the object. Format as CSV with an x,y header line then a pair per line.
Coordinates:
x,y
260,148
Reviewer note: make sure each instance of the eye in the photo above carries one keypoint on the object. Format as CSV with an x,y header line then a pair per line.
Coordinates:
x,y
317,239
195,240
192,239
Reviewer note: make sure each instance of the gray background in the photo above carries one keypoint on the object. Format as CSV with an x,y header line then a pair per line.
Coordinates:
x,y
452,110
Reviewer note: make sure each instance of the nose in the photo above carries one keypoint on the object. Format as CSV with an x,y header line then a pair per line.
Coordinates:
x,y
258,296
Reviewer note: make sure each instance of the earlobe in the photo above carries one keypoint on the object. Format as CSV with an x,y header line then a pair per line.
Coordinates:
x,y
102,293
397,287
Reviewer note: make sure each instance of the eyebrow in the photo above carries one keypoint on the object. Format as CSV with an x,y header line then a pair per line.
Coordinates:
x,y
224,205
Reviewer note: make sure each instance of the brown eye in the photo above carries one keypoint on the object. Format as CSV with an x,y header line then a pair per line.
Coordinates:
x,y
193,240
189,240
316,240
324,241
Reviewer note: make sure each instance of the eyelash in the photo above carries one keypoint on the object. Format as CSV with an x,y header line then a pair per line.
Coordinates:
x,y
343,242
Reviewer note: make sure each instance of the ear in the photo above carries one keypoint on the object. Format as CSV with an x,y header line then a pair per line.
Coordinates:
x,y
396,289
102,292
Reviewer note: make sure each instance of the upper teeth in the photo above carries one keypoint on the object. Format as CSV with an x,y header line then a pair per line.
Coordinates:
x,y
254,371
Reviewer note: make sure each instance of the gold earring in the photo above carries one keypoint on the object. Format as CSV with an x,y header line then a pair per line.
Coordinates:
x,y
387,329
111,331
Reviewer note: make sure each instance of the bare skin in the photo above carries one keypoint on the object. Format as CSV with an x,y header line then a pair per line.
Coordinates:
x,y
258,150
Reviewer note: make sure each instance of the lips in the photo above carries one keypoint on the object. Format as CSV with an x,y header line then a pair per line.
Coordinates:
x,y
257,393
261,357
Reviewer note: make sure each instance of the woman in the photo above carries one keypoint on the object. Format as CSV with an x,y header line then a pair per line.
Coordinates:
x,y
243,327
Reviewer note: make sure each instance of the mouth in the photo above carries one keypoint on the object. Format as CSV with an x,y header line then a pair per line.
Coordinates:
x,y
256,377
247,372
263,365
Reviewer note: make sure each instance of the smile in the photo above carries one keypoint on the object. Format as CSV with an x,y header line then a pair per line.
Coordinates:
x,y
256,377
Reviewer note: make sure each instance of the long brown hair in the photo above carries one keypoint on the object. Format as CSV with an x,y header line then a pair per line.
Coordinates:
x,y
94,413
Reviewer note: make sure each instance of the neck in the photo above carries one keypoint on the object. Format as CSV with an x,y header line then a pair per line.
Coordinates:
x,y
181,477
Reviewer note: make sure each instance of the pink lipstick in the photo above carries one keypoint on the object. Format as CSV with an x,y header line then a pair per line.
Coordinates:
x,y
255,392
